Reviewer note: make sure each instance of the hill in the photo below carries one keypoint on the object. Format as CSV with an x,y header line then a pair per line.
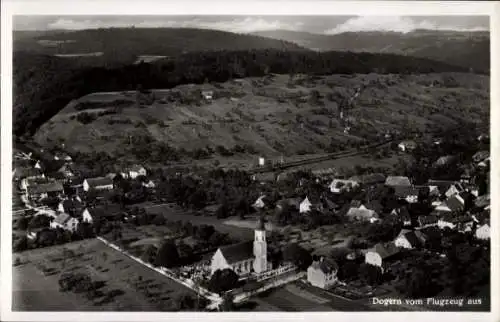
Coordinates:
x,y
271,115
125,45
45,84
467,49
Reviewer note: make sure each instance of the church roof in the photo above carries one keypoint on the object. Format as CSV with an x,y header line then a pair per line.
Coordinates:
x,y
237,252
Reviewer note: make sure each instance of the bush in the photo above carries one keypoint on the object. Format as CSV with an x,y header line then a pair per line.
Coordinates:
x,y
86,118
223,280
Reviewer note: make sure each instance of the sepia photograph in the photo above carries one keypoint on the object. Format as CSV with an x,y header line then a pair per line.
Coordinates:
x,y
249,163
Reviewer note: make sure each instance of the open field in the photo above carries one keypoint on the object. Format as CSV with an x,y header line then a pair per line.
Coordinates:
x,y
141,289
274,117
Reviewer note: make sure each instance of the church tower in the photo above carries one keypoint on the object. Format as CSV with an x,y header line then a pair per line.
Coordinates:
x,y
260,248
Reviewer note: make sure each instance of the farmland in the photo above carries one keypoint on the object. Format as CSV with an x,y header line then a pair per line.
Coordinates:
x,y
128,285
272,115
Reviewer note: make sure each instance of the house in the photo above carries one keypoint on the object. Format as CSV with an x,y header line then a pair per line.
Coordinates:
x,y
33,233
452,221
393,181
454,189
246,257
61,156
407,146
481,156
340,185
428,235
407,239
403,215
444,160
26,173
482,201
38,165
408,193
305,206
65,222
485,163
362,214
45,190
454,203
25,183
427,221
150,184
322,273
113,175
207,95
369,179
136,171
259,203
91,214
99,183
264,177
381,254
73,207
66,170
483,232
441,185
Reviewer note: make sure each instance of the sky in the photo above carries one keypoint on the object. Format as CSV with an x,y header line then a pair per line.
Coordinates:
x,y
247,24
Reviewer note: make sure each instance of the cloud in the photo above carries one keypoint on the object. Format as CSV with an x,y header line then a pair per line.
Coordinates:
x,y
241,25
393,23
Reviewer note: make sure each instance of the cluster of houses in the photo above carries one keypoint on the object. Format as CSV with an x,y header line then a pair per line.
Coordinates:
x,y
37,184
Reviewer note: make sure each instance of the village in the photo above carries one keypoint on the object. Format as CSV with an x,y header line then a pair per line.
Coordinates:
x,y
323,239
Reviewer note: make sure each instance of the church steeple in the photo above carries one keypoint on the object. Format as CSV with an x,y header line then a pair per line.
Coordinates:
x,y
260,247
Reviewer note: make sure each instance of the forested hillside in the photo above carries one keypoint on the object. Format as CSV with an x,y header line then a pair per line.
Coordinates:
x,y
467,49
124,45
44,85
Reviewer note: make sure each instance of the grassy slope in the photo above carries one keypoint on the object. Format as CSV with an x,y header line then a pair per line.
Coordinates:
x,y
386,104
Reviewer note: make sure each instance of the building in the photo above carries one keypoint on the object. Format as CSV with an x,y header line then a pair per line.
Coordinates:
x,y
408,193
394,181
136,171
207,95
340,185
99,183
455,221
427,221
290,202
322,273
454,189
407,146
65,222
25,183
264,177
66,170
259,203
483,232
381,254
455,203
403,215
429,235
26,173
45,190
91,214
361,213
246,257
305,206
481,156
407,239
61,156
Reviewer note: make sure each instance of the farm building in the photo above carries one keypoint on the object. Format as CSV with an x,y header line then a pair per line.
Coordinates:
x,y
407,239
259,203
136,171
340,185
45,190
65,222
407,146
99,183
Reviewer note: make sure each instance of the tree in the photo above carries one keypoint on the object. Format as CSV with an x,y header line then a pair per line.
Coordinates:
x,y
223,280
149,254
227,303
167,256
370,274
297,255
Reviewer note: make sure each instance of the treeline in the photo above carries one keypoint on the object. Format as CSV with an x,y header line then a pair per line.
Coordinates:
x,y
44,85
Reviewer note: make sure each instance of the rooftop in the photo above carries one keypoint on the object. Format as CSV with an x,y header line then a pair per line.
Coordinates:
x,y
397,181
237,252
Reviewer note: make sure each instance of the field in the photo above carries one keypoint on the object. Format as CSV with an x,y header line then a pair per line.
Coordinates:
x,y
275,115
128,285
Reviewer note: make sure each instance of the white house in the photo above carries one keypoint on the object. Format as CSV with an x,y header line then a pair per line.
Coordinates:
x,y
454,189
340,185
380,255
407,146
99,183
305,206
65,222
483,232
262,161
322,273
150,184
136,170
407,239
259,203
207,95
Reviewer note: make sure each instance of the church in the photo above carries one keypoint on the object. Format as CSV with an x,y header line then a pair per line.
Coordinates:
x,y
246,257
